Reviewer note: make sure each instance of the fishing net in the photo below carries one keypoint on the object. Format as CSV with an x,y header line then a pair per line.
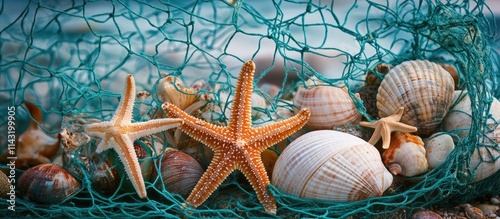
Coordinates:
x,y
71,58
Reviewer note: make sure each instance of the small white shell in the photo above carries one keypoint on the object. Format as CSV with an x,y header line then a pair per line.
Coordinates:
x,y
405,155
458,119
329,106
484,162
331,165
423,88
437,148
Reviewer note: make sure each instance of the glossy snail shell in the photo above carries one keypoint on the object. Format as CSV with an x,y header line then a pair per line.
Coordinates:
x,y
437,148
405,155
329,106
47,184
423,88
179,172
331,165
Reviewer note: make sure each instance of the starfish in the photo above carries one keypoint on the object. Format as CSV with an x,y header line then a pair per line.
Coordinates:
x,y
237,146
120,133
384,126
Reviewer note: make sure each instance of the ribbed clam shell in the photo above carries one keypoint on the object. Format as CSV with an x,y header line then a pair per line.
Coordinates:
x,y
331,165
437,148
179,172
405,155
47,184
423,88
329,106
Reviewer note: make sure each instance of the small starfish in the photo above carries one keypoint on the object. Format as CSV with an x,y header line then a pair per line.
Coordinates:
x,y
384,126
120,133
238,145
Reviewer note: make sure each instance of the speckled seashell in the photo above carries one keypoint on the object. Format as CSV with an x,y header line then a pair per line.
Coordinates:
x,y
47,184
459,117
405,155
484,162
4,185
437,148
472,212
179,172
331,165
423,88
171,89
329,106
425,214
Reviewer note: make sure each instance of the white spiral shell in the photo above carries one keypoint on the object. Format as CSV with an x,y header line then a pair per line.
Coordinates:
x,y
423,88
329,106
331,165
405,155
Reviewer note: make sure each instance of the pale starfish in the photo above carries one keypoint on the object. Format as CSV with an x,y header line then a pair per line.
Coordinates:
x,y
120,133
237,146
384,126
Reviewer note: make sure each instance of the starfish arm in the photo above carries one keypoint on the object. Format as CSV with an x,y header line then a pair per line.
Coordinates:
x,y
140,129
241,119
268,135
198,129
401,127
123,113
369,124
385,131
220,167
256,174
375,136
124,147
100,130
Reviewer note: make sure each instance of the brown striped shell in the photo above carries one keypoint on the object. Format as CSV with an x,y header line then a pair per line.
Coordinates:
x,y
423,88
329,106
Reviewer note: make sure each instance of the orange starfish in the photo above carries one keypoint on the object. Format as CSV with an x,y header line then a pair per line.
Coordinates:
x,y
237,146
384,126
120,133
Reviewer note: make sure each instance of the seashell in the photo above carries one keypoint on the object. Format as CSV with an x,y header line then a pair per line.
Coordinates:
x,y
452,71
179,172
269,158
423,88
437,148
4,185
484,162
33,146
200,152
171,89
329,106
104,177
425,214
331,165
487,209
405,155
458,119
47,184
472,212
371,75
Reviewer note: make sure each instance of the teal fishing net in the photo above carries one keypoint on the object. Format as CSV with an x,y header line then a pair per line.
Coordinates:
x,y
71,58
